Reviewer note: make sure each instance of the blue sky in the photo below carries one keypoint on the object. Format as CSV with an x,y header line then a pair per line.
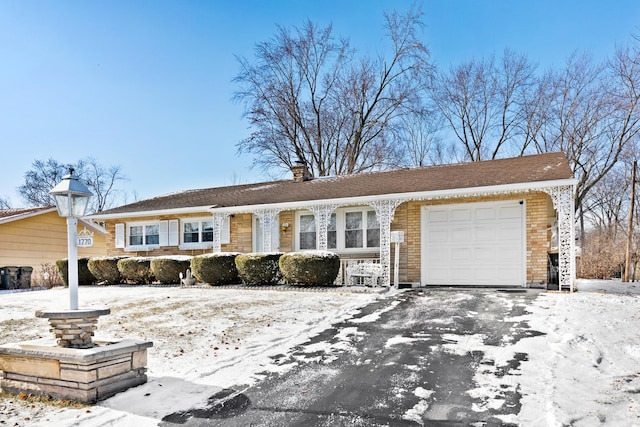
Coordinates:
x,y
147,85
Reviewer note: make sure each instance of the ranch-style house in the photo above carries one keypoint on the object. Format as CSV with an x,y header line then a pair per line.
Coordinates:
x,y
488,223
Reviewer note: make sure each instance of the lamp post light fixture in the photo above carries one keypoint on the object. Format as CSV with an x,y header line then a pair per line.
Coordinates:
x,y
72,199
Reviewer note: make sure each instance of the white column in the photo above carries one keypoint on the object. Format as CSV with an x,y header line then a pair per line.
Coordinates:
x,y
218,223
72,262
267,217
322,214
385,209
564,204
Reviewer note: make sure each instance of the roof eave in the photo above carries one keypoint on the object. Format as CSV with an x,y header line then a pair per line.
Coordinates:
x,y
26,215
419,195
154,212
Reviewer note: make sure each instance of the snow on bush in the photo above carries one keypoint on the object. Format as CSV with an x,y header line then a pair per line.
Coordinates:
x,y
167,269
84,275
215,269
311,268
259,268
105,269
136,270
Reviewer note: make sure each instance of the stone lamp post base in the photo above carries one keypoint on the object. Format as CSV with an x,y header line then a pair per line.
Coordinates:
x,y
74,328
74,366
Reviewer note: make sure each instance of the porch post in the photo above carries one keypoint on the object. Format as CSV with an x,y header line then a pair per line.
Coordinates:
x,y
218,223
564,204
322,214
385,210
267,217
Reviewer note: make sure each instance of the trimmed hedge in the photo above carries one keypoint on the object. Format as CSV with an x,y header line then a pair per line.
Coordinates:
x,y
105,269
167,269
136,270
313,268
84,275
216,268
259,268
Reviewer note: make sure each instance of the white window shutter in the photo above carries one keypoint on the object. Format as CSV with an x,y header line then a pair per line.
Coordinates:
x,y
225,233
174,233
119,236
164,233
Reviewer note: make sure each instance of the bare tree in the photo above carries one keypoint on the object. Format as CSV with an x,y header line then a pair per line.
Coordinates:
x,y
484,103
310,98
4,203
44,175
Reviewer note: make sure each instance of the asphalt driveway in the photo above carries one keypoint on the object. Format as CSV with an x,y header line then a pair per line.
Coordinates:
x,y
420,357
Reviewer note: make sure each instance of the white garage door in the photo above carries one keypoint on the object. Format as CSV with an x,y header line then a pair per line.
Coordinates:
x,y
474,244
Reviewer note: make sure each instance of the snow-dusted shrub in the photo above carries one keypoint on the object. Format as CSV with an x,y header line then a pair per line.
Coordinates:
x,y
259,268
136,270
215,269
311,268
167,269
84,275
105,269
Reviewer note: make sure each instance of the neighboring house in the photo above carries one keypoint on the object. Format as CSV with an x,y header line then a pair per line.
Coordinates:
x,y
480,223
32,237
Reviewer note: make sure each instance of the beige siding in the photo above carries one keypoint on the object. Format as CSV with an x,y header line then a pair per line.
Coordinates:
x,y
41,239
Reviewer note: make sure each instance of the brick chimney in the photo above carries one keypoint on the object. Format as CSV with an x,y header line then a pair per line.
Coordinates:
x,y
300,172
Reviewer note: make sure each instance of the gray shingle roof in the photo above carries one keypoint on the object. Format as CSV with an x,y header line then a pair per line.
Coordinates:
x,y
526,169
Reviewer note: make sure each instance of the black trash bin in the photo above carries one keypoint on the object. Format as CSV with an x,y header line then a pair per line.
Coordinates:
x,y
11,277
24,277
4,278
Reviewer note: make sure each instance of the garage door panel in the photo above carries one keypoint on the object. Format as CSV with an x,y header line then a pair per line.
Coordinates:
x,y
461,234
474,244
485,213
462,214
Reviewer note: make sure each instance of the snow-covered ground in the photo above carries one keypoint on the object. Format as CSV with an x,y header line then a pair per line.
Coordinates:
x,y
584,370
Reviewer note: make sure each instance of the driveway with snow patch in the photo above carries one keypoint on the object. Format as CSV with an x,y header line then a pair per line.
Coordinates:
x,y
442,356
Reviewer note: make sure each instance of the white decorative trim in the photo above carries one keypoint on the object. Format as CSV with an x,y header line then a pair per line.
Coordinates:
x,y
385,210
564,203
322,214
267,218
218,223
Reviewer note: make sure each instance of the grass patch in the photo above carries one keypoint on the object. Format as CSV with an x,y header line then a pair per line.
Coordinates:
x,y
46,400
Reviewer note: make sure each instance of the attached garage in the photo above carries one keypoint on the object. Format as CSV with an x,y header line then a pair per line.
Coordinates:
x,y
481,244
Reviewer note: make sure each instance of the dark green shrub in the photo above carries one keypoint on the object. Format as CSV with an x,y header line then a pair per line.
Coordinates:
x,y
84,275
136,270
215,269
259,268
167,269
105,269
311,268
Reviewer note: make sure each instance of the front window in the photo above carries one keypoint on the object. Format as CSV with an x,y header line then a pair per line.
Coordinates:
x,y
347,230
197,231
136,235
152,235
144,235
307,232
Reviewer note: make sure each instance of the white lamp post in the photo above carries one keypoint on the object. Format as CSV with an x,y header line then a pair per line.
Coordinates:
x,y
72,198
